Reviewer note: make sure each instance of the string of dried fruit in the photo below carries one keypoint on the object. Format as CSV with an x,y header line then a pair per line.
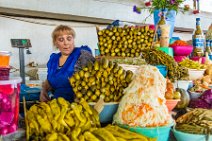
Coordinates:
x,y
157,57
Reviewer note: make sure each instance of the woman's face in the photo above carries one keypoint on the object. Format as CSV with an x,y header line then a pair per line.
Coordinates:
x,y
65,43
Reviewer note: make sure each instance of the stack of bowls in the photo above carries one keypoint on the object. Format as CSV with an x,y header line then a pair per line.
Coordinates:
x,y
109,109
181,52
183,84
171,103
182,136
195,74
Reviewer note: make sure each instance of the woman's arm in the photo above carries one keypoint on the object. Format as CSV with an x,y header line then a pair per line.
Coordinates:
x,y
44,91
83,60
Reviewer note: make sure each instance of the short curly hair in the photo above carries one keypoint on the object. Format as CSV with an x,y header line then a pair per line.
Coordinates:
x,y
61,30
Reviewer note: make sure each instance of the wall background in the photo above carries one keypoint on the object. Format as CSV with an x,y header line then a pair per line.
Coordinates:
x,y
40,36
87,13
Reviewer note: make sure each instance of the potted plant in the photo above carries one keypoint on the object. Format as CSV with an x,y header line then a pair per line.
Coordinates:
x,y
166,8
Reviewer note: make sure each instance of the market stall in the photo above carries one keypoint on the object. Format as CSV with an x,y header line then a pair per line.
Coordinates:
x,y
142,86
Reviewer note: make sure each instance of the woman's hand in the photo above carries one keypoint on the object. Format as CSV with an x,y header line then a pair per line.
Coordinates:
x,y
44,92
44,96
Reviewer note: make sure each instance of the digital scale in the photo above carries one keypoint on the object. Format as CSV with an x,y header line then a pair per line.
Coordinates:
x,y
21,44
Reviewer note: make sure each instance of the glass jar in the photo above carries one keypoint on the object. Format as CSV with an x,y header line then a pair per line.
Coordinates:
x,y
5,58
9,103
4,73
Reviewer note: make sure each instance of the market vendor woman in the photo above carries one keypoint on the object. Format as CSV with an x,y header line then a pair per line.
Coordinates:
x,y
61,66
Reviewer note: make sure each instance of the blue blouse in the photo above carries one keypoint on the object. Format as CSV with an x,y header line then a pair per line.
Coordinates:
x,y
58,77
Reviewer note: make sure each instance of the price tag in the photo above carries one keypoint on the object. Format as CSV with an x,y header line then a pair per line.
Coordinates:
x,y
99,105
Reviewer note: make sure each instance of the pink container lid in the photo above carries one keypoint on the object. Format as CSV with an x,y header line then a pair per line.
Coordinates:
x,y
198,58
13,81
182,50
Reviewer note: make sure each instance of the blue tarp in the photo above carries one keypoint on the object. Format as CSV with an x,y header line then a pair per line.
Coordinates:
x,y
30,94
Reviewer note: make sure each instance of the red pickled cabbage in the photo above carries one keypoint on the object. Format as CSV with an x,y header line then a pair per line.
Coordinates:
x,y
207,96
199,103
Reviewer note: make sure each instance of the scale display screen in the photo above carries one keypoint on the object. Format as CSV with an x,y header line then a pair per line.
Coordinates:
x,y
21,43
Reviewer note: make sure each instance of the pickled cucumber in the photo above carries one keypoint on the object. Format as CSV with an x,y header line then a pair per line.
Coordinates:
x,y
127,41
102,78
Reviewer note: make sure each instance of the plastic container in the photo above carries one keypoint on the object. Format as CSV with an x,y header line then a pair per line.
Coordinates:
x,y
210,57
179,58
194,95
42,74
195,74
4,73
171,103
161,132
30,94
164,41
9,102
182,50
183,84
5,58
170,19
162,70
106,116
198,59
165,29
182,136
167,50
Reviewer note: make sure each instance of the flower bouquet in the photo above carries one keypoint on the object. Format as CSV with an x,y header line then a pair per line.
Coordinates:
x,y
166,9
